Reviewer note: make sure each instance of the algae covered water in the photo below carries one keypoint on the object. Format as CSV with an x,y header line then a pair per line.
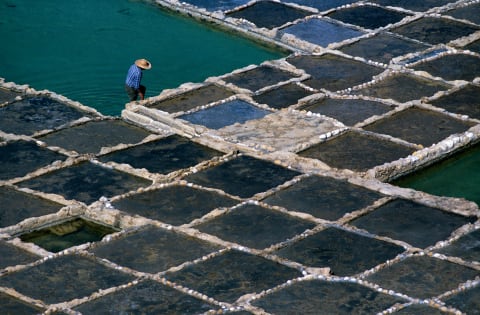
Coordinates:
x,y
454,177
82,49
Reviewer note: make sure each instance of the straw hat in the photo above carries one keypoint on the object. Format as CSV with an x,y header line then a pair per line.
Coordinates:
x,y
143,63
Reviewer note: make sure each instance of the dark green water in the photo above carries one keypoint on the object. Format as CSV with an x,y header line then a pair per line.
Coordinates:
x,y
458,176
83,48
67,234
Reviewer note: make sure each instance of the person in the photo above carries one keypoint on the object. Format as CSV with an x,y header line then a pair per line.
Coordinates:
x,y
134,78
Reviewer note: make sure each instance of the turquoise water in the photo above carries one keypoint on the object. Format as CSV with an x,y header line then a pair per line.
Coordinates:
x,y
457,176
83,48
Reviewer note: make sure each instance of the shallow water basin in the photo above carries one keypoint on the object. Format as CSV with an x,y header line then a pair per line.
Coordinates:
x,y
10,305
403,88
7,96
163,156
269,14
226,114
465,301
13,256
419,126
92,136
58,237
356,151
347,111
259,77
270,226
283,96
411,222
326,297
467,247
422,276
36,114
370,17
333,72
449,177
232,274
323,197
470,12
86,182
320,32
64,278
156,249
382,47
345,253
173,204
322,5
435,30
452,67
18,158
147,297
192,99
18,206
414,5
464,101
243,176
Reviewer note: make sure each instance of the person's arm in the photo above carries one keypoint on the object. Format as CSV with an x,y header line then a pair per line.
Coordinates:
x,y
141,92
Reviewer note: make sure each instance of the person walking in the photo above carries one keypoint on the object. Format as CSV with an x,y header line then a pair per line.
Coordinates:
x,y
134,78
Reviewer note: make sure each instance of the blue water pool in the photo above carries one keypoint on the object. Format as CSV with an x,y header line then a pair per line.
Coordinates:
x,y
82,49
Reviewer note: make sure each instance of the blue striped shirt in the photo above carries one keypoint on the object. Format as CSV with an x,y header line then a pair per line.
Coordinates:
x,y
134,76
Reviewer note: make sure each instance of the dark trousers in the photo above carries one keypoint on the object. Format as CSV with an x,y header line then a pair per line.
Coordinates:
x,y
133,93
